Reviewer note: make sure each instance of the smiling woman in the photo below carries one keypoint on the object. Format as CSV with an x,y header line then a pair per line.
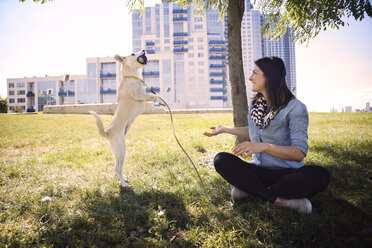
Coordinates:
x,y
278,124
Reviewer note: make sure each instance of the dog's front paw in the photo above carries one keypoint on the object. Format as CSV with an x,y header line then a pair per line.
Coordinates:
x,y
119,58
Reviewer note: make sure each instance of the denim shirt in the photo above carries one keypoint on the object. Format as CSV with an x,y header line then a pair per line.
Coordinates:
x,y
287,128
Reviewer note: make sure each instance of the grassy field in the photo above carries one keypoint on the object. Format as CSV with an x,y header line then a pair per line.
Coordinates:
x,y
58,186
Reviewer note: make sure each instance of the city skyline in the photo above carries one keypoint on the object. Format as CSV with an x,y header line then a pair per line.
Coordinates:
x,y
332,72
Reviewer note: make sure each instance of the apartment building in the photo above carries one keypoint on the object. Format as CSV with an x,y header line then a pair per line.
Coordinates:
x,y
97,86
186,55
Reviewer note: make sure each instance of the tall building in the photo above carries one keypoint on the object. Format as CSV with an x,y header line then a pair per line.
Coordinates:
x,y
348,109
368,107
188,53
284,49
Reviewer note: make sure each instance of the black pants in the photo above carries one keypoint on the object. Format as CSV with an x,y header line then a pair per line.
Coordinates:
x,y
267,183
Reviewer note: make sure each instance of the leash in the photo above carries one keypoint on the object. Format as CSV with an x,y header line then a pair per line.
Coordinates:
x,y
174,133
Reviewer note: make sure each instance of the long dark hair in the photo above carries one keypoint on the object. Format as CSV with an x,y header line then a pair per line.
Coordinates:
x,y
274,71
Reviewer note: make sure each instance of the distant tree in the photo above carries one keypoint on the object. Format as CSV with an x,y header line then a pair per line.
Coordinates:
x,y
3,105
18,109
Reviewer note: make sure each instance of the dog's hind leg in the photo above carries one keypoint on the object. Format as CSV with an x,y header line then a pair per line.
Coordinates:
x,y
126,129
118,148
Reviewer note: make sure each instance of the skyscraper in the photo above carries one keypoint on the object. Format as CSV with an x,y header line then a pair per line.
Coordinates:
x,y
188,53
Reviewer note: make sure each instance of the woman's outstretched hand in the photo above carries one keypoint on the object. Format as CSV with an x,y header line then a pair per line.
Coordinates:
x,y
214,131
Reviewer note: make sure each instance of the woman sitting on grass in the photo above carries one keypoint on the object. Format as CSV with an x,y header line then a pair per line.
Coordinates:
x,y
278,125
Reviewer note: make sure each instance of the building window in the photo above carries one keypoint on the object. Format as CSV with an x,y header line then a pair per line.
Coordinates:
x,y
21,100
191,55
200,39
86,91
200,55
11,100
198,26
21,92
200,47
20,85
11,92
11,85
92,70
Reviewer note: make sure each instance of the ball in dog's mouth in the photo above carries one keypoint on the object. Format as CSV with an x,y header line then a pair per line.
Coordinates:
x,y
142,59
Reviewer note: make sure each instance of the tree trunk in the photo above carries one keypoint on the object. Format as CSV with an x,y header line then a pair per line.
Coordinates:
x,y
235,11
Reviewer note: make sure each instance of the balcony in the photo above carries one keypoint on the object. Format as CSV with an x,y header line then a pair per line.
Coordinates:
x,y
66,93
179,11
108,91
150,51
154,89
219,66
180,42
218,90
224,98
180,19
30,94
217,42
150,43
179,34
108,74
215,57
218,74
150,73
217,49
180,50
62,93
214,81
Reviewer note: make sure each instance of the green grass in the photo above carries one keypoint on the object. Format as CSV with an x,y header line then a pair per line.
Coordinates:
x,y
58,186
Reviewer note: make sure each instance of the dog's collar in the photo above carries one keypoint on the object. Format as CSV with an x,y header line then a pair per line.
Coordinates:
x,y
134,77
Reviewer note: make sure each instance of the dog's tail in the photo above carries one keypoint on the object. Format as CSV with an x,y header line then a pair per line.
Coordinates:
x,y
100,128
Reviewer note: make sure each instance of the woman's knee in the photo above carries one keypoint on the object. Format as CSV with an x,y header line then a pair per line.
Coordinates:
x,y
221,160
321,176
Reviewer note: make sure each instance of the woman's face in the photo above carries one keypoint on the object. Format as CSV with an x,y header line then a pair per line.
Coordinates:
x,y
258,80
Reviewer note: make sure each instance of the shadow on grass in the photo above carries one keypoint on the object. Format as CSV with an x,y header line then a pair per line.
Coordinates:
x,y
342,216
123,218
333,223
351,172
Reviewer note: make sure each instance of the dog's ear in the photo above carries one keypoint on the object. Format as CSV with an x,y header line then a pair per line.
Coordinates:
x,y
120,58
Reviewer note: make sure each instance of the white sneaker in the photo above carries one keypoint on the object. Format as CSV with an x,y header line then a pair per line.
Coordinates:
x,y
237,194
303,205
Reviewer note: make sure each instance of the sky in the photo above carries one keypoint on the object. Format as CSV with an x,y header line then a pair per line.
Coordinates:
x,y
333,71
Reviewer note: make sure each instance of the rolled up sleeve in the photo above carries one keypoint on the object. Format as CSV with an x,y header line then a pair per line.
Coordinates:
x,y
298,126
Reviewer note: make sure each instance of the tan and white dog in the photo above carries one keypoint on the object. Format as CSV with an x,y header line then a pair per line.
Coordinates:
x,y
131,98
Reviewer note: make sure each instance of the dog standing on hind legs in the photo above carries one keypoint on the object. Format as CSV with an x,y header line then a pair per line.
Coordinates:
x,y
131,98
